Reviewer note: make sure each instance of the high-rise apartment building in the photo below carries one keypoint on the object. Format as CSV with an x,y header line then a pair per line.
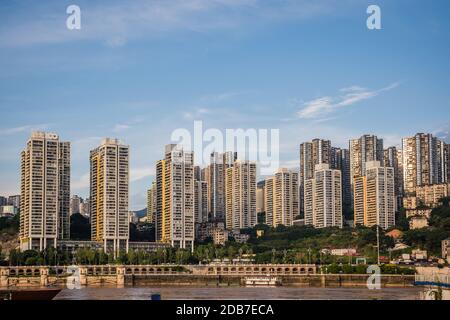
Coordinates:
x,y
323,198
241,195
14,201
281,194
374,196
215,175
151,203
420,161
75,204
3,201
443,161
365,149
109,195
401,187
201,201
391,160
175,203
341,161
260,199
45,191
198,173
430,195
85,208
312,153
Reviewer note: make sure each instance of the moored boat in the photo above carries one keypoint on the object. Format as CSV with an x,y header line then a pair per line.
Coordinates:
x,y
262,281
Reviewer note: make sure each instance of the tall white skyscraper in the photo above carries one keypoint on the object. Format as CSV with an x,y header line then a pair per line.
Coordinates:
x,y
443,161
312,153
151,203
260,198
201,201
375,196
175,203
323,198
45,192
281,198
421,161
215,174
366,148
241,195
341,161
109,194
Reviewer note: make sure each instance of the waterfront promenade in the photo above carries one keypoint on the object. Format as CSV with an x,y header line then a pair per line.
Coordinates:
x,y
185,275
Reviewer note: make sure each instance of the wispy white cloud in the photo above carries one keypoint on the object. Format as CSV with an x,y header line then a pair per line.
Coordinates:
x,y
21,129
196,113
137,174
220,97
443,132
323,106
121,127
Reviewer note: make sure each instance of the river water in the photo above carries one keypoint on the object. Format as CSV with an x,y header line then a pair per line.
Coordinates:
x,y
239,293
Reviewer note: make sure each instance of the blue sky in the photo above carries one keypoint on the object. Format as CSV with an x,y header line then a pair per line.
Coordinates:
x,y
137,70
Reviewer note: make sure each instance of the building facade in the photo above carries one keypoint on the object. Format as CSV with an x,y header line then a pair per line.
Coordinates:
x,y
374,197
341,161
323,198
151,203
312,153
241,195
260,200
420,161
215,175
443,155
201,201
75,203
175,203
8,211
391,160
45,192
428,196
14,201
109,195
366,148
281,194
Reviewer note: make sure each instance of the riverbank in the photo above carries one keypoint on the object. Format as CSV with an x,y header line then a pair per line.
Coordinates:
x,y
186,275
324,281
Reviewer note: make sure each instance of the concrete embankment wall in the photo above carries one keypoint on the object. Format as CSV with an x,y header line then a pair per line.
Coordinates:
x,y
300,281
218,281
